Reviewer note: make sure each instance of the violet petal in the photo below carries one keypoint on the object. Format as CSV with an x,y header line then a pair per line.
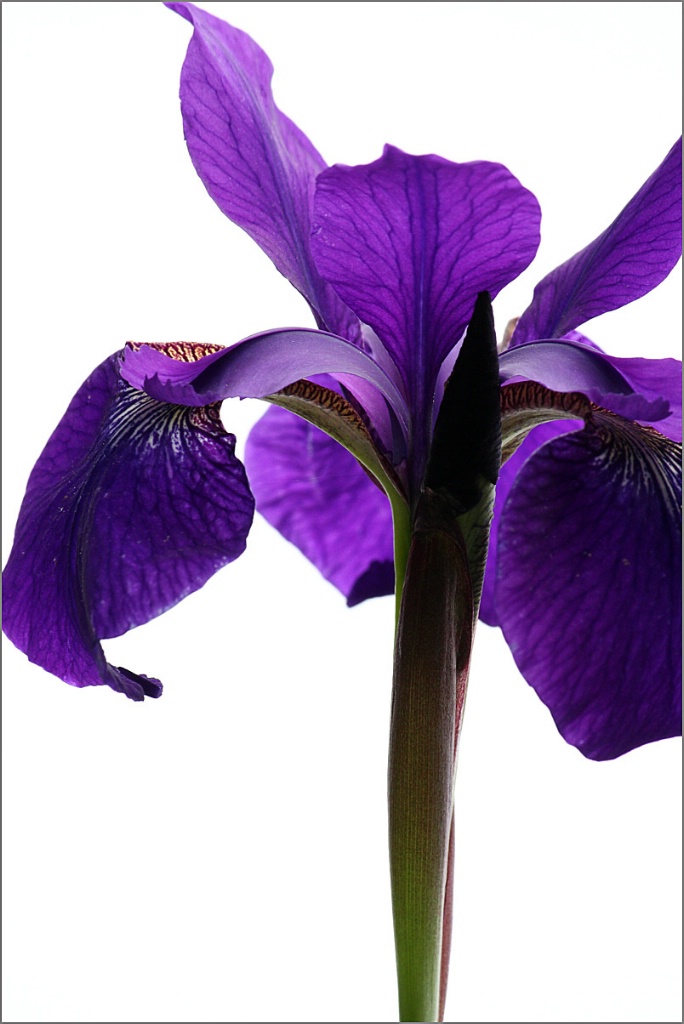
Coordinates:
x,y
253,368
256,165
569,366
408,242
629,259
132,505
507,476
588,589
318,497
656,380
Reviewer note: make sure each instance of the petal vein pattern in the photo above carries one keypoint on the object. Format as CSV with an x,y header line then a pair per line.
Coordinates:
x,y
256,367
633,255
132,505
255,163
409,241
587,586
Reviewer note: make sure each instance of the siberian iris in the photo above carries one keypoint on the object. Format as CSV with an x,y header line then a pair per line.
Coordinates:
x,y
138,497
391,258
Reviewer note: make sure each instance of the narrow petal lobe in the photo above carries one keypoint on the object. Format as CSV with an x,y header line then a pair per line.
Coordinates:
x,y
256,165
628,260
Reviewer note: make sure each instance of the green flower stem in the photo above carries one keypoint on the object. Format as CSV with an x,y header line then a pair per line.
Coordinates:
x,y
430,672
401,523
447,922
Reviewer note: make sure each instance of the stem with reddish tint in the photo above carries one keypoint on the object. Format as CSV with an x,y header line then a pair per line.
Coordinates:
x,y
431,664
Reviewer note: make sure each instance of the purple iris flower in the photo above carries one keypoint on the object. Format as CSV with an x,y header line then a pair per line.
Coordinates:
x,y
138,497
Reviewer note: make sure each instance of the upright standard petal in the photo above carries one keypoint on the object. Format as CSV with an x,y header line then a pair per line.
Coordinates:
x,y
409,242
318,497
629,259
587,586
132,505
256,165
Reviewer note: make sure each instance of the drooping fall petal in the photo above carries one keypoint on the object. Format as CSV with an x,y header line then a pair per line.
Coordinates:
x,y
132,506
587,587
507,477
318,497
648,389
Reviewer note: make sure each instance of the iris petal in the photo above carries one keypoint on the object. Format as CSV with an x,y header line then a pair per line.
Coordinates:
x,y
656,379
587,583
507,477
132,505
571,366
408,242
254,368
317,496
256,165
628,260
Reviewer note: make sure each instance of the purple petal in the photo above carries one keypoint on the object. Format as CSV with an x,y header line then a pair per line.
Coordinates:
x,y
408,242
318,497
132,505
253,368
629,259
569,366
507,477
256,165
588,589
656,380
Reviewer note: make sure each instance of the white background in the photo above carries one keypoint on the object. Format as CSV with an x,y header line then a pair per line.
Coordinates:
x,y
220,854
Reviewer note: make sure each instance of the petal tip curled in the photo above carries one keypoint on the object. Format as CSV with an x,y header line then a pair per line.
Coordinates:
x,y
133,505
134,686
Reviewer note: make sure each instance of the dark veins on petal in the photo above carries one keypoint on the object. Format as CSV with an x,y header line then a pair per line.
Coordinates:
x,y
319,498
588,586
626,261
256,165
408,242
132,505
